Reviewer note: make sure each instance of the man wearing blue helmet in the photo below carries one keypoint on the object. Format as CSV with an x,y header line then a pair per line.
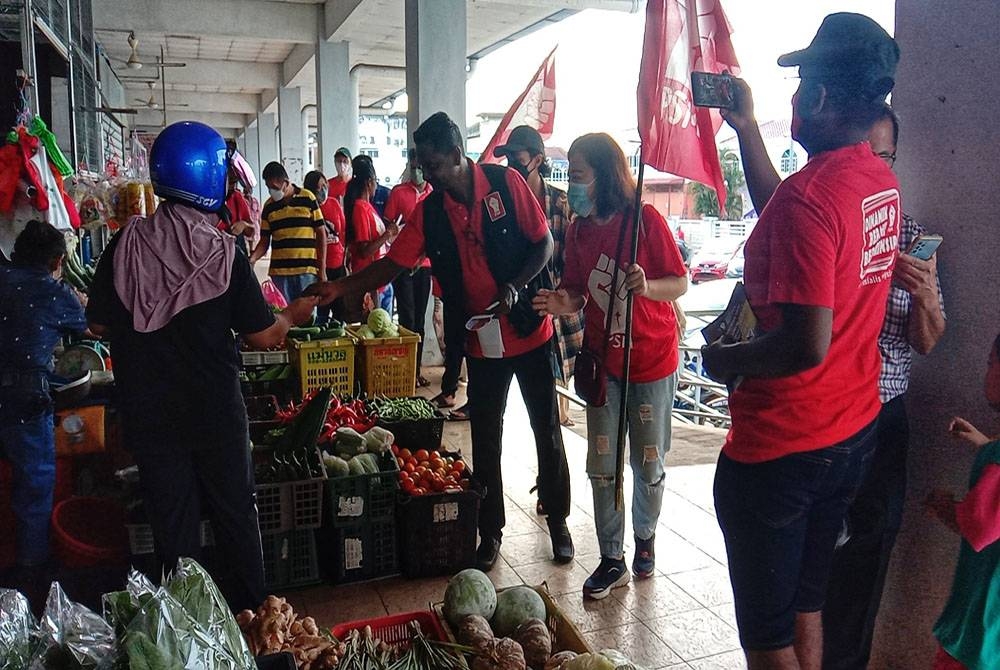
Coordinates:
x,y
169,292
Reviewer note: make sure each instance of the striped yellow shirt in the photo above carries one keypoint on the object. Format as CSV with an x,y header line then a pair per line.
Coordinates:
x,y
292,225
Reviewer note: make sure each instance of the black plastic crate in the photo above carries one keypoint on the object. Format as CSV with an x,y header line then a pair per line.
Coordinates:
x,y
356,499
360,552
417,434
290,559
437,532
280,661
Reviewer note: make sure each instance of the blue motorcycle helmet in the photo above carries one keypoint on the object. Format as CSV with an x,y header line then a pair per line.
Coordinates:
x,y
189,163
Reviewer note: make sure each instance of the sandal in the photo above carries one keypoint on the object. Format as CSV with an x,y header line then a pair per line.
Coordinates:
x,y
422,382
567,422
442,402
460,414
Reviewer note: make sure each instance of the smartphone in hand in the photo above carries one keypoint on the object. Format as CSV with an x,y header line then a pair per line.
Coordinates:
x,y
712,90
925,246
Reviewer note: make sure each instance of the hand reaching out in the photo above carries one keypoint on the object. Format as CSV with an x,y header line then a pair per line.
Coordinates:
x,y
963,430
556,302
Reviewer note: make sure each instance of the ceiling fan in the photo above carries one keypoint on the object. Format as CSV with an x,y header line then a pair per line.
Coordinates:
x,y
135,63
152,102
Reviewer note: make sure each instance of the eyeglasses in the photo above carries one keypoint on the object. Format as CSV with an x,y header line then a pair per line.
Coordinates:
x,y
889,158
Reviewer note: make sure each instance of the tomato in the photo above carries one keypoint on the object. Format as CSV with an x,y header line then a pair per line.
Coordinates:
x,y
458,467
405,454
426,464
419,491
451,481
400,462
408,468
438,485
395,450
441,473
418,471
408,486
436,462
422,455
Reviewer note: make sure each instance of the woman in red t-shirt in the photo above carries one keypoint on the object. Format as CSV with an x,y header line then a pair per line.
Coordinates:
x,y
336,235
602,193
368,237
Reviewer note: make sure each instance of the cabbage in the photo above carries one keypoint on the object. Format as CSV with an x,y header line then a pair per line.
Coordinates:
x,y
380,321
365,333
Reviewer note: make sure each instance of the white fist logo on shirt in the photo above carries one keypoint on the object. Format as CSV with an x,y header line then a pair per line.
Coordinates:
x,y
599,287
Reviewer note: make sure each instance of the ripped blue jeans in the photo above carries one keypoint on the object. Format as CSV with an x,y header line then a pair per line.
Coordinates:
x,y
649,409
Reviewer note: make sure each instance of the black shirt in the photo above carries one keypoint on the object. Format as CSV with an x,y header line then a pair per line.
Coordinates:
x,y
180,383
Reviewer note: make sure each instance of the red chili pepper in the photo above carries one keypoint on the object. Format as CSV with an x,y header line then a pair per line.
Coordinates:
x,y
334,402
346,414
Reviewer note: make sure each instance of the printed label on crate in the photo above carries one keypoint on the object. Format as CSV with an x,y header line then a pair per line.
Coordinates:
x,y
445,512
391,352
326,356
353,553
353,506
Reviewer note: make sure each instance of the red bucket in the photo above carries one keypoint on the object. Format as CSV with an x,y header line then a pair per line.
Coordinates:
x,y
89,532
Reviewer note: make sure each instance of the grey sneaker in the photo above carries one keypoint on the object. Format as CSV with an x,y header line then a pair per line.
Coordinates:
x,y
610,574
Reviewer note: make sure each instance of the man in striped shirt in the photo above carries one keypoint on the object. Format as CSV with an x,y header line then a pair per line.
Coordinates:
x,y
291,225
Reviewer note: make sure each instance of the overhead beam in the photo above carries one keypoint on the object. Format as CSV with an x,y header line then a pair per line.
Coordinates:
x,y
245,19
235,103
215,73
631,6
301,56
218,120
336,15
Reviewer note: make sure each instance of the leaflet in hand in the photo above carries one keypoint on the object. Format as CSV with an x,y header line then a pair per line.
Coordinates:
x,y
737,323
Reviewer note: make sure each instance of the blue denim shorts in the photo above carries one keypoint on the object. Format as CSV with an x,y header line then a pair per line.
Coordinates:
x,y
781,520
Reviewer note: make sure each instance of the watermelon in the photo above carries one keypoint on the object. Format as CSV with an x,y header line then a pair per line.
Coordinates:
x,y
515,606
469,592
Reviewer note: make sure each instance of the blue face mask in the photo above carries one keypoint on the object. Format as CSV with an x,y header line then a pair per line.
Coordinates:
x,y
579,199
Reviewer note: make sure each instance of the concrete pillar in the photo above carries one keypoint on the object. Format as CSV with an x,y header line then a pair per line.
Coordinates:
x,y
253,155
293,150
267,146
436,48
336,113
241,142
947,170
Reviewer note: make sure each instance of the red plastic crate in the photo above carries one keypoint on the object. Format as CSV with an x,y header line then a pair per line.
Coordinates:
x,y
394,630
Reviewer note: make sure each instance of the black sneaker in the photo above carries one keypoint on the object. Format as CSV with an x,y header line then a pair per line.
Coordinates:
x,y
610,574
644,562
562,542
487,554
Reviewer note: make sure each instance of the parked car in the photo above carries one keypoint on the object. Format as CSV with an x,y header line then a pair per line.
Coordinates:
x,y
712,260
735,269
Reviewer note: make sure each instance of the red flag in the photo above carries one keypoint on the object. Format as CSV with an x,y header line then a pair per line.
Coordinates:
x,y
677,137
535,107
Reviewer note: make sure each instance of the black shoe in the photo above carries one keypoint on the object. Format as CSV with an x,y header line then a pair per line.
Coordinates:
x,y
487,554
644,563
562,542
611,573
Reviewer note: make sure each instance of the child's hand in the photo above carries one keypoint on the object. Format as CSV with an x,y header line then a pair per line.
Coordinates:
x,y
963,430
941,505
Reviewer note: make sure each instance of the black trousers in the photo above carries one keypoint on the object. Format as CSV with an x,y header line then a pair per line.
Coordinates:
x,y
454,349
489,382
860,566
176,480
412,293
336,309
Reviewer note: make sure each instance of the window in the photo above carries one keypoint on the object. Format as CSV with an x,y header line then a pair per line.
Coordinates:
x,y
370,152
406,154
789,161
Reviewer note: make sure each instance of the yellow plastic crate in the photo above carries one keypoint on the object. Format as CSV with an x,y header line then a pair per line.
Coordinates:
x,y
321,363
388,365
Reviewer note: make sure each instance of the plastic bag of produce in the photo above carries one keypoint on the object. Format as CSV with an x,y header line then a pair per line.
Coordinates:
x,y
72,636
164,635
194,589
121,607
17,629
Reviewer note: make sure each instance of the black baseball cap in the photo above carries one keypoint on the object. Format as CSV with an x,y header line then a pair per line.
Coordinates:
x,y
522,138
849,48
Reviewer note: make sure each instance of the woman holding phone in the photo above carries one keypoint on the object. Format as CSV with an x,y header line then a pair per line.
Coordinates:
x,y
602,193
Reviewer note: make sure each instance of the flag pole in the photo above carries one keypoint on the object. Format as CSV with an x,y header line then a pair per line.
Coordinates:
x,y
627,350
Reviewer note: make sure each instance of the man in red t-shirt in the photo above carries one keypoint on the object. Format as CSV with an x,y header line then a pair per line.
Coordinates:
x,y
489,243
412,289
342,164
818,270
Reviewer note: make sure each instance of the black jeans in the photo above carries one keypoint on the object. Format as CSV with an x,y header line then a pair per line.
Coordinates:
x,y
412,293
174,479
860,566
336,309
454,349
489,381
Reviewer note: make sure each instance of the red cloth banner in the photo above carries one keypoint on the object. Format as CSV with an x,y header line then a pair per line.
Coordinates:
x,y
683,36
535,107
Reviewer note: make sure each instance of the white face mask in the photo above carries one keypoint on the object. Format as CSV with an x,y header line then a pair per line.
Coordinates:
x,y
343,169
276,194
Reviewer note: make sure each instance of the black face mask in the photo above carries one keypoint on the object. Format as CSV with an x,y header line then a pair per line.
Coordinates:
x,y
523,170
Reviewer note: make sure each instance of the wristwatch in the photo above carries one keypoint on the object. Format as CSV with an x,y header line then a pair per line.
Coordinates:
x,y
510,287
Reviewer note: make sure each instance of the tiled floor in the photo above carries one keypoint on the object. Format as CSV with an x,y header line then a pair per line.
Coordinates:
x,y
680,618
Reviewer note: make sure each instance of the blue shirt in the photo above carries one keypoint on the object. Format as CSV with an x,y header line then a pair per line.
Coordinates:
x,y
35,312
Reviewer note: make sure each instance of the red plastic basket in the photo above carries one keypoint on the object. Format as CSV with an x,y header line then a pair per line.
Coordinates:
x,y
80,541
394,630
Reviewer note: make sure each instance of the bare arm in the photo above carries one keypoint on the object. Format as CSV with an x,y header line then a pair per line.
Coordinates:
x,y
262,246
538,257
927,323
664,289
321,250
800,343
762,178
298,312
373,277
